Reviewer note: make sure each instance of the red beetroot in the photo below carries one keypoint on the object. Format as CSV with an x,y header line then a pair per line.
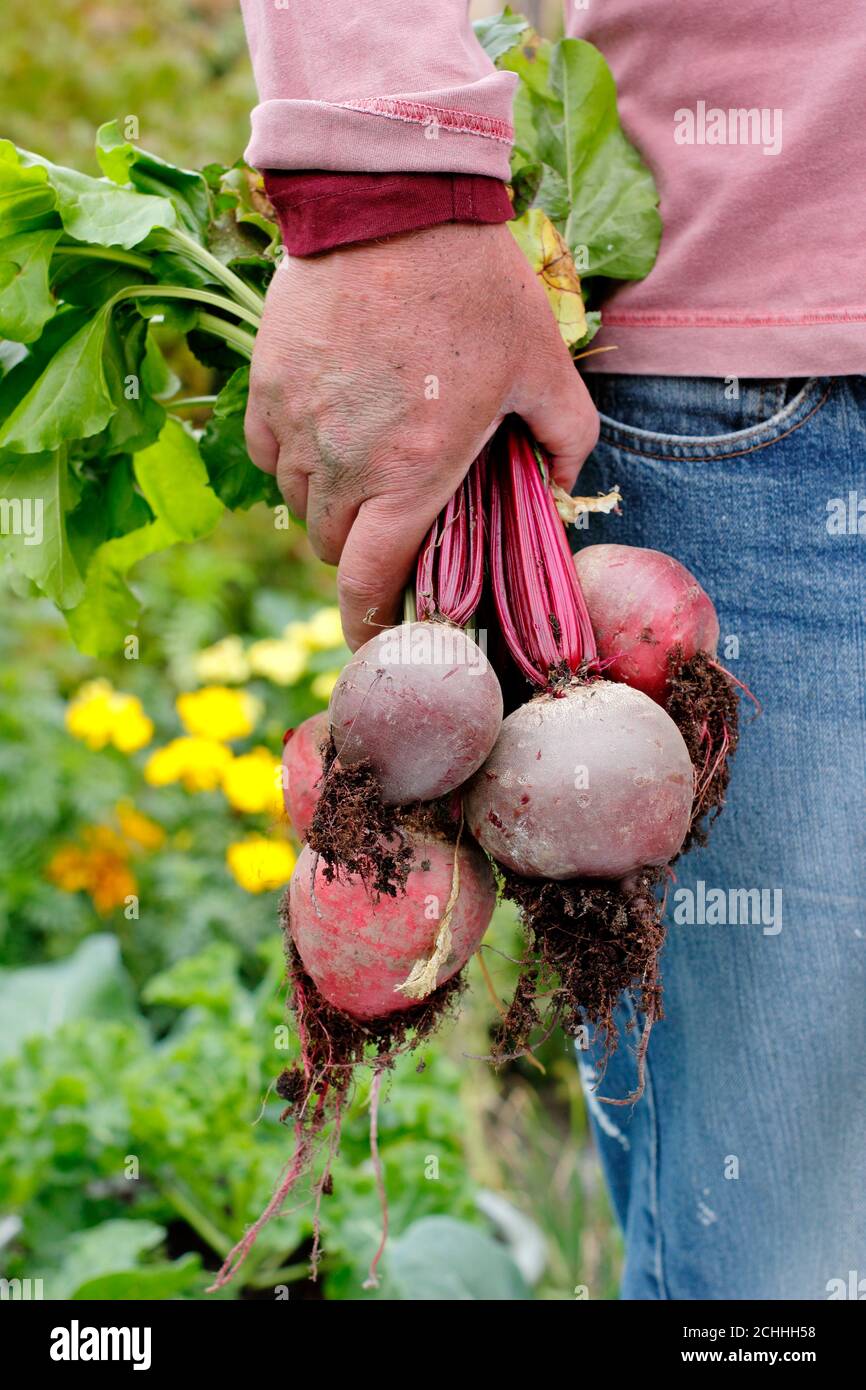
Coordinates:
x,y
358,951
302,770
643,605
421,704
595,782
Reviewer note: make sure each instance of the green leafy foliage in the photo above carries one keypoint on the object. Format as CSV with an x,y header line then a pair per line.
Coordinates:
x,y
439,1258
571,157
499,33
87,264
125,163
91,983
41,480
25,298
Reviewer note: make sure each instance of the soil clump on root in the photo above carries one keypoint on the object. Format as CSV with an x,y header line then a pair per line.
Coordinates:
x,y
354,833
357,836
332,1043
704,705
588,942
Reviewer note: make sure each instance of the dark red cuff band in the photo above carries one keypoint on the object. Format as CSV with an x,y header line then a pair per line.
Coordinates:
x,y
319,211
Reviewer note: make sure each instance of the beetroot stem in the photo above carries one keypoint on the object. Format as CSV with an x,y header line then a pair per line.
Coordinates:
x,y
539,601
450,571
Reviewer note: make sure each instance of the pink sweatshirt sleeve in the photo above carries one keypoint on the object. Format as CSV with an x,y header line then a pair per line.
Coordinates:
x,y
375,85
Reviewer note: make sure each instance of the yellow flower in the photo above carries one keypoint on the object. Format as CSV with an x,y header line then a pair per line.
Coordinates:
x,y
324,684
100,869
143,832
252,782
133,729
324,631
282,660
99,715
224,662
198,763
259,864
215,712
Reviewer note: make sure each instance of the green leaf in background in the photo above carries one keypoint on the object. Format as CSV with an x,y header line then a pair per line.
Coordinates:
x,y
156,375
174,481
91,983
137,419
97,210
173,313
233,475
147,1282
552,196
70,400
109,610
530,60
125,163
107,508
27,200
240,192
612,194
37,487
440,1259
499,32
208,980
125,508
110,1248
25,366
232,399
88,280
525,183
26,302
594,187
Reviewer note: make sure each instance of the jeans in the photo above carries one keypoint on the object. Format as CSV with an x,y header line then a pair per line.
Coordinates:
x,y
741,1173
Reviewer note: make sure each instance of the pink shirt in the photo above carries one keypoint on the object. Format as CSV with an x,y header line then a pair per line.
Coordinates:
x,y
751,115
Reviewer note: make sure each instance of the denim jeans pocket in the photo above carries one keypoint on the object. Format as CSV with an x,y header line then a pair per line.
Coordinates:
x,y
693,418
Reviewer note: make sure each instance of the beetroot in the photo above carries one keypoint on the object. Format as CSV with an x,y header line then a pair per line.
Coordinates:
x,y
302,770
647,611
657,630
420,705
595,782
359,952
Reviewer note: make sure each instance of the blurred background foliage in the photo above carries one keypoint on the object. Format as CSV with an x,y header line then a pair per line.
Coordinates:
x,y
141,865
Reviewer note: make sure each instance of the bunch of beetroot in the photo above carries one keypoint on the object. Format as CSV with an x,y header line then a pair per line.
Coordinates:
x,y
418,800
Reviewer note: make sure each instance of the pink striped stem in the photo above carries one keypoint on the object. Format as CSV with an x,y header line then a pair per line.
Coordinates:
x,y
450,572
539,602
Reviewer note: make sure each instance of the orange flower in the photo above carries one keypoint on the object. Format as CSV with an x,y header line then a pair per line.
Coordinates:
x,y
99,868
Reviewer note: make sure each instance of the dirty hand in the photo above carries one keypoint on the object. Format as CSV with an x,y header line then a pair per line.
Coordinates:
x,y
380,371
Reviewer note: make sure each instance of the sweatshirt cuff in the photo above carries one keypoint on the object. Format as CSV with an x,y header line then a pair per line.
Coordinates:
x,y
319,211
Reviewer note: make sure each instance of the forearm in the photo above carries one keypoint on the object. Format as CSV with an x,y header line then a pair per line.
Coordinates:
x,y
387,86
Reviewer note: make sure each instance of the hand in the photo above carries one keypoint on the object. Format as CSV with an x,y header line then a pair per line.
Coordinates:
x,y
380,371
